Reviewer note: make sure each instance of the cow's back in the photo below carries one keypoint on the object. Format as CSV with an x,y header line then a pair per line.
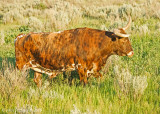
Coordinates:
x,y
62,49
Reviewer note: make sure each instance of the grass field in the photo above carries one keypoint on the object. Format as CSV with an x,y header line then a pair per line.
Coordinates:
x,y
128,86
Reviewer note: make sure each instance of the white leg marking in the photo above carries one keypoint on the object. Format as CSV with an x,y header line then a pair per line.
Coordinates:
x,y
79,65
92,70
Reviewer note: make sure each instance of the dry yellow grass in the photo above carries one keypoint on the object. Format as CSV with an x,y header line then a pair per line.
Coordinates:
x,y
47,15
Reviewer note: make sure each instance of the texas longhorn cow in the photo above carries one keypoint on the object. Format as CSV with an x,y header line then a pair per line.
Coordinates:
x,y
83,49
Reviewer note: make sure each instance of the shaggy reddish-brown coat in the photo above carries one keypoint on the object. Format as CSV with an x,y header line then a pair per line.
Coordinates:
x,y
83,49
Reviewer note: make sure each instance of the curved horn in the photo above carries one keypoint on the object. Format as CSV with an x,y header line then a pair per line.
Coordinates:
x,y
126,27
117,32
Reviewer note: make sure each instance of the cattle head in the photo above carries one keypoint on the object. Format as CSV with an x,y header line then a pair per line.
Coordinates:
x,y
123,45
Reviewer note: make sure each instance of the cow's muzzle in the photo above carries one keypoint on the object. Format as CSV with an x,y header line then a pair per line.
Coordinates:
x,y
130,54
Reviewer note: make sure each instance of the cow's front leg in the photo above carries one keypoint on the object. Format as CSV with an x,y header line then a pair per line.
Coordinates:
x,y
97,75
83,75
38,79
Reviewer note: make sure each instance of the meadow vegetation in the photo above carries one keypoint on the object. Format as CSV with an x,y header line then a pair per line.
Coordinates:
x,y
129,85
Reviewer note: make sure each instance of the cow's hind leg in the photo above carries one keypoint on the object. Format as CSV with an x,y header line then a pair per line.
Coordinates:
x,y
53,75
50,77
38,79
83,75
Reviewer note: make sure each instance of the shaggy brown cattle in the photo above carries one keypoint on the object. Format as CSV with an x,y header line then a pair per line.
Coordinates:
x,y
83,49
